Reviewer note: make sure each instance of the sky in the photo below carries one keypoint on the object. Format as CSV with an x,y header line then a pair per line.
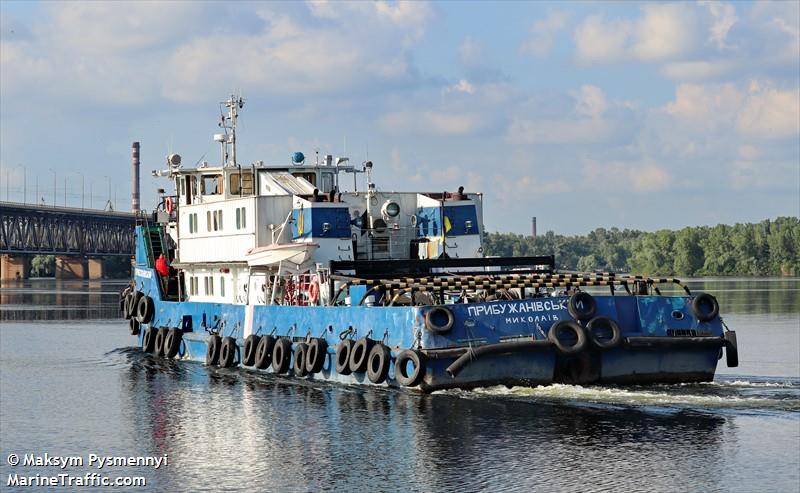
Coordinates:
x,y
583,114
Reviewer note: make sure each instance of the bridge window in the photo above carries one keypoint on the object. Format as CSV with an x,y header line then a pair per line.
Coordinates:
x,y
211,184
241,184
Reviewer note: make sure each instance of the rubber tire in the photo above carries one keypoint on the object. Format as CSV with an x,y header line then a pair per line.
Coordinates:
x,y
134,326
400,362
149,340
579,345
299,360
227,352
212,352
250,345
161,336
172,344
134,301
145,309
264,352
378,363
616,332
698,310
282,355
342,357
439,329
315,355
359,355
582,306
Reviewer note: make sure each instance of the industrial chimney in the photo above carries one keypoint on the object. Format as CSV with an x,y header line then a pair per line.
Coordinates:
x,y
135,163
533,227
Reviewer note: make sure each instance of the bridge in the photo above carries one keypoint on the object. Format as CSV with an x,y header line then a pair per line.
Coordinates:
x,y
79,238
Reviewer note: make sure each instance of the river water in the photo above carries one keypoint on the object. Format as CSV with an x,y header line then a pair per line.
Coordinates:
x,y
72,385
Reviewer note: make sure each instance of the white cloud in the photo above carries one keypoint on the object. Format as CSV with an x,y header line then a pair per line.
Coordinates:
x,y
601,40
753,169
761,111
664,32
724,17
770,113
443,123
698,69
543,33
638,176
462,85
131,53
584,122
591,102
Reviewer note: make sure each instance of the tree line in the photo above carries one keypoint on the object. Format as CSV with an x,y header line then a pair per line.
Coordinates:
x,y
767,248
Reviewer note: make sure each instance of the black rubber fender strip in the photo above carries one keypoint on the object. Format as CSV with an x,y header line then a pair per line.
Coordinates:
x,y
503,347
647,342
731,349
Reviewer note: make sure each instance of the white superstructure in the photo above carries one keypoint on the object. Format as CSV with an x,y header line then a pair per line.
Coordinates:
x,y
234,229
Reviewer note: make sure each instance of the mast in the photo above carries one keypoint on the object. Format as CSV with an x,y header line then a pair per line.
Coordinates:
x,y
228,123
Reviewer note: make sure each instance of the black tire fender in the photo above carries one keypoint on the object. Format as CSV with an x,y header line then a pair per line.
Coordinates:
x,y
250,345
172,344
212,352
433,322
378,363
359,355
401,373
299,360
705,307
599,325
582,306
554,335
134,326
315,355
227,352
342,360
264,352
282,355
145,309
132,303
161,336
149,339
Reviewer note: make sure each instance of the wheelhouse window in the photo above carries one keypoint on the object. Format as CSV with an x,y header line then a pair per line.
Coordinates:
x,y
211,184
241,183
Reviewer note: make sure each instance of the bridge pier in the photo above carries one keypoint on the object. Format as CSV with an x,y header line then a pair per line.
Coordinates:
x,y
79,268
70,268
94,268
14,267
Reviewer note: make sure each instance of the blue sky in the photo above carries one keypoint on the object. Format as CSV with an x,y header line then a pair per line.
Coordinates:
x,y
647,116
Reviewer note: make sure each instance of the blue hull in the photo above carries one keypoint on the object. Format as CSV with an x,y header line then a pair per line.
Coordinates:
x,y
516,330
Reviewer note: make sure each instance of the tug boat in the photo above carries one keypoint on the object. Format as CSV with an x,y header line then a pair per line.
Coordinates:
x,y
278,268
